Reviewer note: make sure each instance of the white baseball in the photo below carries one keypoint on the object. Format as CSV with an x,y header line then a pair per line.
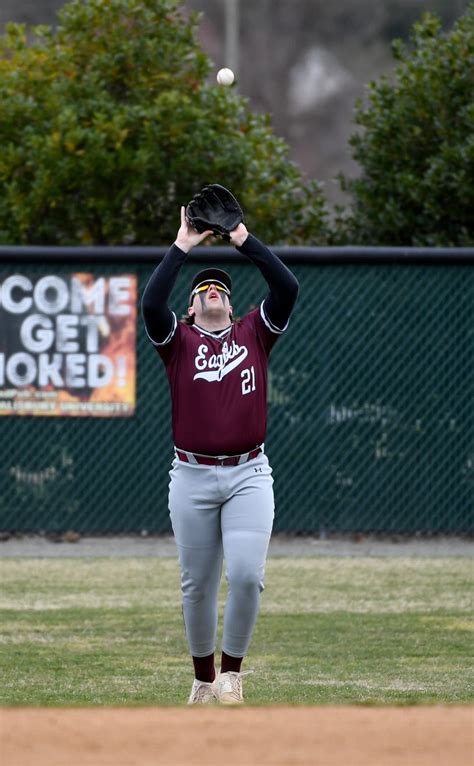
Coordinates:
x,y
225,77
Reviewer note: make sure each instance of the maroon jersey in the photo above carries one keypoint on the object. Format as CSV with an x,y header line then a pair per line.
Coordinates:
x,y
218,384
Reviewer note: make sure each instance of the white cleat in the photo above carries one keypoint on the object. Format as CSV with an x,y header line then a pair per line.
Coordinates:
x,y
201,693
227,687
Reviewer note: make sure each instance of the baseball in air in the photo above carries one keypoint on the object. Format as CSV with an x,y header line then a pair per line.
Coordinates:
x,y
225,77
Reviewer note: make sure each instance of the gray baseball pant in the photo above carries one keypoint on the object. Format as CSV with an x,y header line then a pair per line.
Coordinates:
x,y
221,512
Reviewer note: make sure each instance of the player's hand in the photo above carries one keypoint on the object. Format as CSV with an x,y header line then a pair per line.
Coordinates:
x,y
239,235
187,237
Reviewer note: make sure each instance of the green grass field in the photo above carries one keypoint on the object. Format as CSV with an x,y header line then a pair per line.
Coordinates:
x,y
331,630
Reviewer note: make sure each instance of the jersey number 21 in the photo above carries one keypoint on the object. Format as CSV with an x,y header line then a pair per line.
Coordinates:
x,y
248,380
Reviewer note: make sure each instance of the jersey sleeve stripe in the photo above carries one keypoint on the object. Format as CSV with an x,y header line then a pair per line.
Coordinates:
x,y
269,324
168,337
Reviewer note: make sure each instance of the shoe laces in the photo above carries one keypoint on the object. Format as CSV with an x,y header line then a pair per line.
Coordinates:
x,y
235,679
201,691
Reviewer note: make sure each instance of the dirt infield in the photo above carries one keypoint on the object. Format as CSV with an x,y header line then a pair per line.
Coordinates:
x,y
296,736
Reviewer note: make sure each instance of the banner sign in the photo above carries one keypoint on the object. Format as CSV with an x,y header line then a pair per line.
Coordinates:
x,y
67,344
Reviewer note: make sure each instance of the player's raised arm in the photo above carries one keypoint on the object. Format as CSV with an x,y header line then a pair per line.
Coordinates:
x,y
159,320
284,286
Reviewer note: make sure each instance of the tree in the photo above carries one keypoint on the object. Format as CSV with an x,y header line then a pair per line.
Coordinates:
x,y
416,146
107,125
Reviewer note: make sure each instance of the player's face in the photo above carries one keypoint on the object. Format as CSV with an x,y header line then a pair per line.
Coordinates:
x,y
211,303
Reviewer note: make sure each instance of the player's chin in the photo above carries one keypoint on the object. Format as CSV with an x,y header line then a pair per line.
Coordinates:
x,y
216,314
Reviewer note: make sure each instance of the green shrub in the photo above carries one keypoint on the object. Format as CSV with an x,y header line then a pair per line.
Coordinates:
x,y
108,123
416,145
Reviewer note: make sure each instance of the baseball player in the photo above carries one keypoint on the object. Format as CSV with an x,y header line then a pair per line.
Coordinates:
x,y
220,494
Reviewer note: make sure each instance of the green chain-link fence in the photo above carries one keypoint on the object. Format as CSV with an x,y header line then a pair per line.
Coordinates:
x,y
371,411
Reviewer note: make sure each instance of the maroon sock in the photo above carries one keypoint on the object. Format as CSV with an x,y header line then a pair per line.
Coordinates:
x,y
230,663
204,668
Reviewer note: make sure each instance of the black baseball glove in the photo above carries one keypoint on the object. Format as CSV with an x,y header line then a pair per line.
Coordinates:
x,y
214,208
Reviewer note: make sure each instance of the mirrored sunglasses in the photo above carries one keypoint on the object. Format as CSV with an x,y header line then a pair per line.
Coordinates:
x,y
205,288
